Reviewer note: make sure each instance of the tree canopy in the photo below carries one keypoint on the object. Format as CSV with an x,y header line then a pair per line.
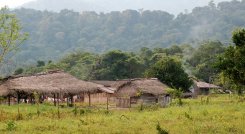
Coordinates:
x,y
170,71
53,35
10,34
232,61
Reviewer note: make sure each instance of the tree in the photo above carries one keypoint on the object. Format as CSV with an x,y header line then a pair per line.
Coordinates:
x,y
10,34
204,57
18,71
40,63
232,62
170,71
118,65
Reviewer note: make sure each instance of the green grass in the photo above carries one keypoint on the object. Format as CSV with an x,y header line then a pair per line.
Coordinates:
x,y
220,114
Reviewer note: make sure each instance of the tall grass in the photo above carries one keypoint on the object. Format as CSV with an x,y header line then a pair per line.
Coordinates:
x,y
222,114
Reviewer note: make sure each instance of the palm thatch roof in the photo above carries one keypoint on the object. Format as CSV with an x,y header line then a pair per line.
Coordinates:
x,y
201,84
142,86
131,87
47,82
111,86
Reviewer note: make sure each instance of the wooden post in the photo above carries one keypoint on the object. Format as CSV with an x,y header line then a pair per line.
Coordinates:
x,y
32,102
25,99
9,100
129,102
58,97
72,101
67,100
89,99
54,100
18,97
107,102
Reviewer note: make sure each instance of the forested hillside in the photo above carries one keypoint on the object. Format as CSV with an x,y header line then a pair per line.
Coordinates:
x,y
52,35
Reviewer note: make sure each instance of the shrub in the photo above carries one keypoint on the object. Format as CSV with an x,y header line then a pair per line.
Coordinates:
x,y
75,110
11,126
188,116
82,111
161,130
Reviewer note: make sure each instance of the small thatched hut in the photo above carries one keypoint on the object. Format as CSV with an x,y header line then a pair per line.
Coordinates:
x,y
105,93
135,91
203,88
55,83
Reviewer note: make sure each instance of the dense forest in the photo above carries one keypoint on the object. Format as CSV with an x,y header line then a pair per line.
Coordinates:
x,y
52,35
175,62
132,44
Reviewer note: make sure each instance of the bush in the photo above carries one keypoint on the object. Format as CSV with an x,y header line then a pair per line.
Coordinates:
x,y
161,130
11,126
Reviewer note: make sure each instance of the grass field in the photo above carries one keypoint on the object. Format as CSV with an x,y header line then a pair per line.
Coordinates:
x,y
214,114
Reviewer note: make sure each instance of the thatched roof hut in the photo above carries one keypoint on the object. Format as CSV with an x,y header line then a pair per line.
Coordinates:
x,y
47,82
110,86
203,88
201,84
135,87
139,90
131,87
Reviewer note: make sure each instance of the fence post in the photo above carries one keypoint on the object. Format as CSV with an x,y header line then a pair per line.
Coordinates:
x,y
129,102
89,99
18,97
9,100
107,102
54,100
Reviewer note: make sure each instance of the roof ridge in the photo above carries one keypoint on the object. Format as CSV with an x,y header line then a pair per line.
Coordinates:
x,y
34,74
134,79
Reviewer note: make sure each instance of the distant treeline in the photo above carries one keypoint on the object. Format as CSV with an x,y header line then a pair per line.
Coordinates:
x,y
52,35
174,65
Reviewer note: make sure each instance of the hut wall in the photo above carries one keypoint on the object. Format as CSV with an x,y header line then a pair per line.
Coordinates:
x,y
196,90
200,91
204,91
126,92
123,102
164,100
145,99
98,98
148,99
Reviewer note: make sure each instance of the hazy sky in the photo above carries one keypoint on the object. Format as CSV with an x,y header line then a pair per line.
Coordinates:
x,y
13,3
172,6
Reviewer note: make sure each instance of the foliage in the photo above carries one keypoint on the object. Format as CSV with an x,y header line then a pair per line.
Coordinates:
x,y
170,71
239,37
11,36
18,71
11,125
177,94
117,65
40,63
160,130
204,57
54,35
37,101
232,62
225,82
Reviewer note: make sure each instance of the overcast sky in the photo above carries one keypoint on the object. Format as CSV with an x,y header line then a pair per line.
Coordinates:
x,y
172,6
13,3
